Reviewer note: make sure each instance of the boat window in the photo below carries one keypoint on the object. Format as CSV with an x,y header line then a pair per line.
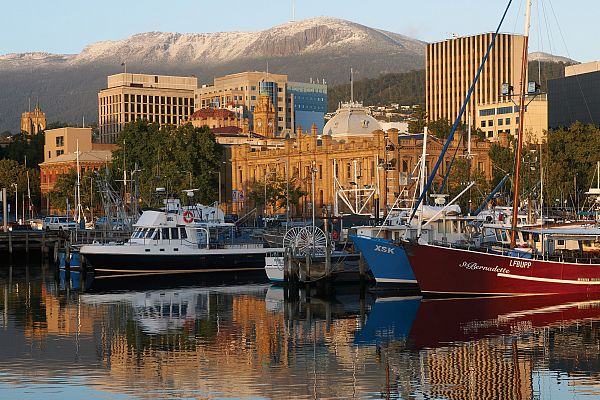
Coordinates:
x,y
536,237
183,233
560,242
504,235
174,233
148,234
498,234
153,233
165,233
525,236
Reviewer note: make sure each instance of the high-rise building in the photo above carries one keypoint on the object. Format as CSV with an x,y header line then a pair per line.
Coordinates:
x,y
576,97
33,122
452,65
296,104
309,102
166,100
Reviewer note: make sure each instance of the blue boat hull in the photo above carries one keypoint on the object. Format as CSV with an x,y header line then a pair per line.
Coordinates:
x,y
387,261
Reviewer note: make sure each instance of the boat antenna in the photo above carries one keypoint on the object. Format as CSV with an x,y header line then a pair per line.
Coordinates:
x,y
460,114
522,94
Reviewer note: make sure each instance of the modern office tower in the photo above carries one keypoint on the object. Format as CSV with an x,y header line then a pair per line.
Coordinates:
x,y
309,103
166,100
451,67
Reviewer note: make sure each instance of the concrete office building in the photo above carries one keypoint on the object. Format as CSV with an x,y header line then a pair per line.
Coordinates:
x,y
503,117
576,97
451,66
166,100
296,104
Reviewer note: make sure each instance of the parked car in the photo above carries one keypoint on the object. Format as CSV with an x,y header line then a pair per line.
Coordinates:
x,y
56,223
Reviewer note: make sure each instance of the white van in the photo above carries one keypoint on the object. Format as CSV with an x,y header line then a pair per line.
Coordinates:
x,y
55,223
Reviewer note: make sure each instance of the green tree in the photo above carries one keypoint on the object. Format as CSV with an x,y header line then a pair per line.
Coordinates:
x,y
417,121
460,176
25,146
276,189
167,157
12,172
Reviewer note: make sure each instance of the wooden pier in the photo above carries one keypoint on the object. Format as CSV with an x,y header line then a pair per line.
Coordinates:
x,y
31,241
45,242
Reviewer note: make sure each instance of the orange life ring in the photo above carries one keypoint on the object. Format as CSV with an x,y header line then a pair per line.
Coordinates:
x,y
188,217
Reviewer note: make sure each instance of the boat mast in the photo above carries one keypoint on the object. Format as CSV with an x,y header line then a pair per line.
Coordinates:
x,y
422,183
522,94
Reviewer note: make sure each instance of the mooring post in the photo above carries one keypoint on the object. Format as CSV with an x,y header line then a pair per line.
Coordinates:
x,y
44,248
56,244
67,263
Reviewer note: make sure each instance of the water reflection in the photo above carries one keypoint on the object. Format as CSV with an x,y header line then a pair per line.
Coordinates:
x,y
251,340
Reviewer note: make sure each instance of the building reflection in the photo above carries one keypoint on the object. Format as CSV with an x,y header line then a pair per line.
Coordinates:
x,y
250,341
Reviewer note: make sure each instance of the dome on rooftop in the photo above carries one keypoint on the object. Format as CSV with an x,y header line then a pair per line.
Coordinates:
x,y
351,120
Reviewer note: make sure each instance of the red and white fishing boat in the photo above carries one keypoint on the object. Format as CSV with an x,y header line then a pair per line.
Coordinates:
x,y
554,263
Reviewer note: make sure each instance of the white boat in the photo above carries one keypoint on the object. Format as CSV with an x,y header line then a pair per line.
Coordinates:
x,y
274,265
176,240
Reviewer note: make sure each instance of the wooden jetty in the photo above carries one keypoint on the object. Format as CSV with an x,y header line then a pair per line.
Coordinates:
x,y
30,241
44,242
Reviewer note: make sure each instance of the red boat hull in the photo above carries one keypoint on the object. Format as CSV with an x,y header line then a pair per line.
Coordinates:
x,y
445,270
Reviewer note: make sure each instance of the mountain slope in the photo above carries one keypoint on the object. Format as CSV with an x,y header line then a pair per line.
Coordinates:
x,y
324,48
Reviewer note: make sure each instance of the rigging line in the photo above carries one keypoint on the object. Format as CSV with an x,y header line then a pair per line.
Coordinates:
x,y
517,17
460,114
540,42
587,107
451,162
548,30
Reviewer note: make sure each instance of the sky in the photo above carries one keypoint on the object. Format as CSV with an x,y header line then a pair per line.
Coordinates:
x,y
567,28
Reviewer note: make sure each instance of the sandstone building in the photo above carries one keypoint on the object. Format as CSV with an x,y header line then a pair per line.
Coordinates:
x,y
33,122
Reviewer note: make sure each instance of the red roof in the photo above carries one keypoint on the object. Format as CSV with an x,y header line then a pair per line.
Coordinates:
x,y
226,130
205,113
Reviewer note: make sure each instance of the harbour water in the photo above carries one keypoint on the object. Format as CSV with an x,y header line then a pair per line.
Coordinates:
x,y
193,339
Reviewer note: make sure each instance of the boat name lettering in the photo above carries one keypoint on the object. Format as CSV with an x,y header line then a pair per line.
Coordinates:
x,y
476,267
520,263
384,249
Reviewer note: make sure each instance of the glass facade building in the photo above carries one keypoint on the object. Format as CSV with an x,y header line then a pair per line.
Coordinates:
x,y
309,102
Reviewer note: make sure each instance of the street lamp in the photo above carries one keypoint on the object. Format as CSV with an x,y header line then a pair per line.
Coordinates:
x,y
16,203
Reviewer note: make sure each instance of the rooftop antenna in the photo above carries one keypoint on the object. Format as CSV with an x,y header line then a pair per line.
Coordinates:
x,y
83,121
293,10
29,103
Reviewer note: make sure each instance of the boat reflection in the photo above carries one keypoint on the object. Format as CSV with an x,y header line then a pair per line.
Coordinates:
x,y
440,322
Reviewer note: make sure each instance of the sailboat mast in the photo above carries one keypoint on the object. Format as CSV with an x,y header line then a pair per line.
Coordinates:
x,y
522,94
422,183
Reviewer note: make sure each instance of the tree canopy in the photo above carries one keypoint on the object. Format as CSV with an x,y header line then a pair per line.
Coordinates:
x,y
175,158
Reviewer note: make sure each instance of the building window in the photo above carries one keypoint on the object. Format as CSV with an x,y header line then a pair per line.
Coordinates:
x,y
348,170
59,152
490,134
321,171
60,141
487,112
483,124
500,122
49,154
507,121
252,97
491,122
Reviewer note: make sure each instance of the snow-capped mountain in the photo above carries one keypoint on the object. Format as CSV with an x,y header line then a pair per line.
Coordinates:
x,y
546,57
323,47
